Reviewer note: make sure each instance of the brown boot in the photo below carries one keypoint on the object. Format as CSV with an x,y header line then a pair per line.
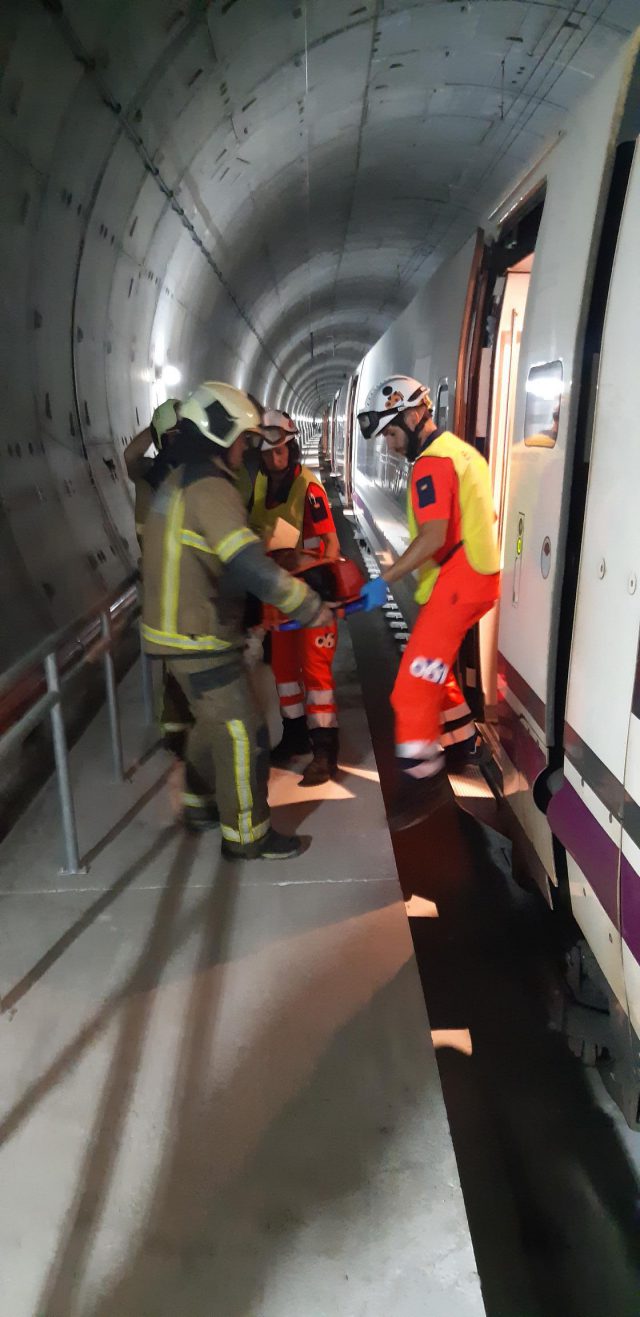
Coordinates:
x,y
295,741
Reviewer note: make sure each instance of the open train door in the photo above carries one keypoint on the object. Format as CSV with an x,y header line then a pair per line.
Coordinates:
x,y
485,400
349,422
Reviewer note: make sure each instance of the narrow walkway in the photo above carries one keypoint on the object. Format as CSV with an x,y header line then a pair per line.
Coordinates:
x,y
218,1089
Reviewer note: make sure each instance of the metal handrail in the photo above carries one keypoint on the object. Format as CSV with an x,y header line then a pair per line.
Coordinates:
x,y
56,639
54,661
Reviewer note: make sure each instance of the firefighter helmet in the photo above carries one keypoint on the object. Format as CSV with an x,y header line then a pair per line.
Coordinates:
x,y
396,394
278,429
221,412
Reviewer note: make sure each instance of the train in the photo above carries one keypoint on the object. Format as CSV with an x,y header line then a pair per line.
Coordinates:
x,y
528,338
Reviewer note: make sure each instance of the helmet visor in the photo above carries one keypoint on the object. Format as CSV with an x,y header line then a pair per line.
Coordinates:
x,y
373,423
274,437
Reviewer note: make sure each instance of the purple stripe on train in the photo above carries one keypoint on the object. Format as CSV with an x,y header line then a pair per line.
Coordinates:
x,y
523,751
588,844
597,856
630,905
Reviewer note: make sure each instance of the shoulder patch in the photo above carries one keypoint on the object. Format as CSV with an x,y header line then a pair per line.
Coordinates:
x,y
425,489
317,506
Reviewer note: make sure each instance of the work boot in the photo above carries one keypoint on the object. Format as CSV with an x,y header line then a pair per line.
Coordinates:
x,y
417,798
200,818
323,766
295,741
273,846
472,753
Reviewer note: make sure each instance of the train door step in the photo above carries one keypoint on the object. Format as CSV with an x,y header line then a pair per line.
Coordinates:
x,y
474,794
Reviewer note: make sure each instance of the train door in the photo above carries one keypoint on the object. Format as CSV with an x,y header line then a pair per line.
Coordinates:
x,y
324,438
548,401
333,418
596,812
497,400
349,422
489,380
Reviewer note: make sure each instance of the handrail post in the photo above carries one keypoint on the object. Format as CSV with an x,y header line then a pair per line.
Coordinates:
x,y
69,831
112,697
147,684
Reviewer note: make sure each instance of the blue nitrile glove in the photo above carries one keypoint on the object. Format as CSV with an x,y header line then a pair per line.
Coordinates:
x,y
374,594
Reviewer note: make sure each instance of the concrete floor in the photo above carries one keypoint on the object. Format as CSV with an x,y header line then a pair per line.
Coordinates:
x,y
219,1092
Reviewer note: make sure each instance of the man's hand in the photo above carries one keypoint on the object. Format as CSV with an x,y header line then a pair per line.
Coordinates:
x,y
325,617
374,594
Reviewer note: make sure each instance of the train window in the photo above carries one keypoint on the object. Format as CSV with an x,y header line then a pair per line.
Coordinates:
x,y
542,408
442,405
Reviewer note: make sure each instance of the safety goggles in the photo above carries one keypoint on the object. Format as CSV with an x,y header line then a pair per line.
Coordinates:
x,y
370,422
274,438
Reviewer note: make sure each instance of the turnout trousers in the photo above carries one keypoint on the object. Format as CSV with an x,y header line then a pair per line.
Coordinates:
x,y
227,749
429,707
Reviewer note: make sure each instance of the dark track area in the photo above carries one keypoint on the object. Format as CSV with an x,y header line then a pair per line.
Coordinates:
x,y
551,1197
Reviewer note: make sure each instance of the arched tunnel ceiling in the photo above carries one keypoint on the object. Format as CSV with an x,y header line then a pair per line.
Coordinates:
x,y
243,189
327,155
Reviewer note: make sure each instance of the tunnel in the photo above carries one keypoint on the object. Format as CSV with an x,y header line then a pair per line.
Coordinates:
x,y
248,190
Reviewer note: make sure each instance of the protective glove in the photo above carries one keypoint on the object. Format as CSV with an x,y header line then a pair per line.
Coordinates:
x,y
374,594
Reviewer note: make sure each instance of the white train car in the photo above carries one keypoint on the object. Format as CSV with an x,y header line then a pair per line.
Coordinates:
x,y
528,338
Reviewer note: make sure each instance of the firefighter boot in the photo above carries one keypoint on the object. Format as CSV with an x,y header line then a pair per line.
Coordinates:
x,y
273,846
200,818
295,741
416,799
323,766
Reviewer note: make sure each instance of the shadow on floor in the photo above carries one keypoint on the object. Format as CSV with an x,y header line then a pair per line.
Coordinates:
x,y
299,1126
85,921
230,1200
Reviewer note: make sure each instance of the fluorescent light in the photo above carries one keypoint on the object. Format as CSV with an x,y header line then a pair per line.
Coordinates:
x,y
170,375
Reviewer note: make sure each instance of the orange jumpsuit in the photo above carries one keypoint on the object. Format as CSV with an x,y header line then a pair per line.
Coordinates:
x,y
430,709
302,661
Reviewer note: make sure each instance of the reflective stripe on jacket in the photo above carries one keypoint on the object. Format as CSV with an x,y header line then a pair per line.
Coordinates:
x,y
195,526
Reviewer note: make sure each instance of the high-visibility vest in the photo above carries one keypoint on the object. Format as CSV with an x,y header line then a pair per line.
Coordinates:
x,y
262,519
477,512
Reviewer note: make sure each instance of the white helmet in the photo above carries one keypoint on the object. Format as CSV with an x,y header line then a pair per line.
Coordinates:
x,y
387,400
283,428
221,412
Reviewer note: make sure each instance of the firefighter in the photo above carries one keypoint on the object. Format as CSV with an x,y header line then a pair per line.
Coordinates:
x,y
302,661
199,560
454,553
147,473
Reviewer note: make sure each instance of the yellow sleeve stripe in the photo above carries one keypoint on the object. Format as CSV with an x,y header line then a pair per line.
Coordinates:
x,y
230,545
196,541
293,596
